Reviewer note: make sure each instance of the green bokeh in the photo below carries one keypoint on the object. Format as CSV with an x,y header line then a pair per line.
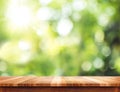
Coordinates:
x,y
63,38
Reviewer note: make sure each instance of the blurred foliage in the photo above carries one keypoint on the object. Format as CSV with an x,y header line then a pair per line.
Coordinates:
x,y
59,37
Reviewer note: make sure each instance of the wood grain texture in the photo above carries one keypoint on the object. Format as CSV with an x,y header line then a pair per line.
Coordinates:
x,y
47,89
59,84
34,81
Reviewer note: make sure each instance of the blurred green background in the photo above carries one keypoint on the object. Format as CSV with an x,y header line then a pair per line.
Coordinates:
x,y
59,37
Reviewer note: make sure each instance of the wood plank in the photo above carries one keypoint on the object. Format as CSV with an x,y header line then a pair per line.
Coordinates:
x,y
14,81
6,78
76,81
80,81
37,81
110,81
48,89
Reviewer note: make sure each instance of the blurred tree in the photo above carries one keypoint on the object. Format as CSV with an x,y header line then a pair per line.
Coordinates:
x,y
112,38
59,37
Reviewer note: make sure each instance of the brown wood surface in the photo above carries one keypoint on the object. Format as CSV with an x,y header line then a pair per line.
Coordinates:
x,y
48,89
59,84
33,81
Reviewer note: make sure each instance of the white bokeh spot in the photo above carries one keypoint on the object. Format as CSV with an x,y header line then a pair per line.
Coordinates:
x,y
64,27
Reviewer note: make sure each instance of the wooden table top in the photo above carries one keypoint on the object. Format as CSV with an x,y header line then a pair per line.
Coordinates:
x,y
76,81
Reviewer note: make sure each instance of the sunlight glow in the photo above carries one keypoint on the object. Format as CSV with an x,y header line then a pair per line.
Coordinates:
x,y
19,16
103,20
64,27
45,2
24,58
79,5
24,45
44,14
